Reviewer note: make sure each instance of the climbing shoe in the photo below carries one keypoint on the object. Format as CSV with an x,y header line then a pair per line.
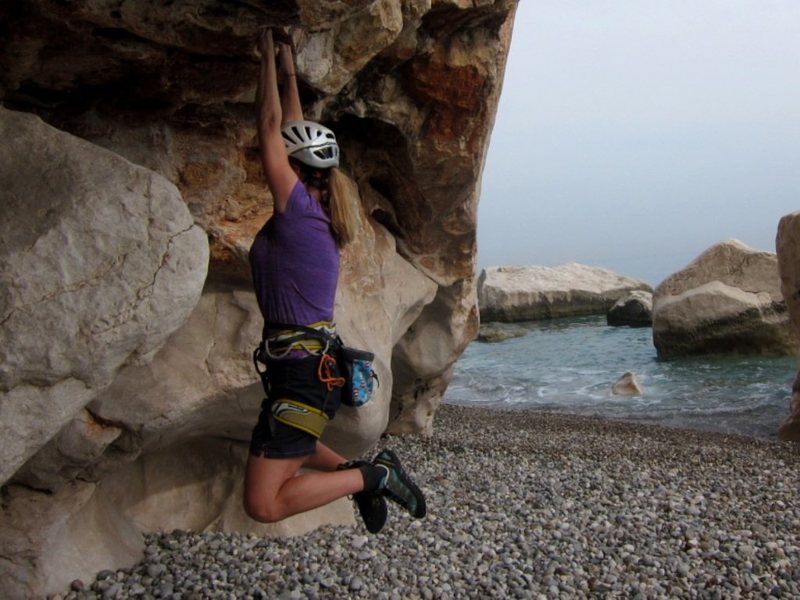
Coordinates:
x,y
397,485
372,508
370,503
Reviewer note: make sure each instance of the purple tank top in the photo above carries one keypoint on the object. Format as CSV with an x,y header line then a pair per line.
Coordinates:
x,y
295,263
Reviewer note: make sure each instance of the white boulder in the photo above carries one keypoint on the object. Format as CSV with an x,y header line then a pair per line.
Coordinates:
x,y
101,262
728,300
526,293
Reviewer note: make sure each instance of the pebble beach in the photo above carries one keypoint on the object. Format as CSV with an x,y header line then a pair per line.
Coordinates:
x,y
523,504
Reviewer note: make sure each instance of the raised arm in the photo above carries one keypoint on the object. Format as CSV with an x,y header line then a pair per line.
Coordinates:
x,y
290,97
281,179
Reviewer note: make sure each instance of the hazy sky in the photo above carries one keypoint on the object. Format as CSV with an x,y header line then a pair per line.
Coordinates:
x,y
634,134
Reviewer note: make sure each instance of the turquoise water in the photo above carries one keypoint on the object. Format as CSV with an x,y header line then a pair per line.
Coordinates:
x,y
569,365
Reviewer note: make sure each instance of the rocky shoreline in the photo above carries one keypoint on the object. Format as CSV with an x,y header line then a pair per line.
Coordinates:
x,y
524,504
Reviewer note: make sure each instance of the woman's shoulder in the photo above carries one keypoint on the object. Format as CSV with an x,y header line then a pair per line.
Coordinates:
x,y
302,203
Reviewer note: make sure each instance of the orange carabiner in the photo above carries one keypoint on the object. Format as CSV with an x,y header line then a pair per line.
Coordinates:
x,y
325,373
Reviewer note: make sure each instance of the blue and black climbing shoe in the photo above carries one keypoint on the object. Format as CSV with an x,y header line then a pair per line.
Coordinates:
x,y
372,508
370,503
398,485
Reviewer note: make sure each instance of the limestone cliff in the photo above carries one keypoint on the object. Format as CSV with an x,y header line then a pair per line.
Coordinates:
x,y
787,244
125,376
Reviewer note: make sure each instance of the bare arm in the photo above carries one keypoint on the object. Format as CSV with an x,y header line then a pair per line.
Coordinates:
x,y
281,179
290,97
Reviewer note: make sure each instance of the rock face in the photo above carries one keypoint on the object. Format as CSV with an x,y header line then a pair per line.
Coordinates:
x,y
101,262
728,300
518,293
788,246
633,310
124,395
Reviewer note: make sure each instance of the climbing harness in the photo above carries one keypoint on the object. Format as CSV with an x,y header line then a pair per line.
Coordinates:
x,y
288,338
278,345
300,416
339,366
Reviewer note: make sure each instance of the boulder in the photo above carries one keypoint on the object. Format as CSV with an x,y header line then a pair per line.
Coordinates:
x,y
728,300
633,310
499,332
101,262
627,385
50,540
519,293
787,244
429,350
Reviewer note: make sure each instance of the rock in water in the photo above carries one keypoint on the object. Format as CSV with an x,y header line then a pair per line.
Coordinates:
x,y
633,310
498,332
627,385
728,300
526,293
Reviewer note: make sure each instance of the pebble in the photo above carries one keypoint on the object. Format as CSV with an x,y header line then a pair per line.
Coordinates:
x,y
523,504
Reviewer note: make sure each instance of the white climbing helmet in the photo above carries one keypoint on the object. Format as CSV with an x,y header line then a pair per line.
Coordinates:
x,y
311,143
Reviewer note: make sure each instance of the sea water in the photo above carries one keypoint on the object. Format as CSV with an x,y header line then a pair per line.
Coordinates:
x,y
570,365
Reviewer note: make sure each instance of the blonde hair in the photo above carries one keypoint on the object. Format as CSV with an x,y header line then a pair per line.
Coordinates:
x,y
343,208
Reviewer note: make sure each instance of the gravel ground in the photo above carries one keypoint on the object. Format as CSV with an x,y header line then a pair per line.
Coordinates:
x,y
525,505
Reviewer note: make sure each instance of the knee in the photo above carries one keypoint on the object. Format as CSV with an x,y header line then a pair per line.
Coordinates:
x,y
263,512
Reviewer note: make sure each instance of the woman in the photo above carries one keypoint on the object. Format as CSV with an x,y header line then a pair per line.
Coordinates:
x,y
295,264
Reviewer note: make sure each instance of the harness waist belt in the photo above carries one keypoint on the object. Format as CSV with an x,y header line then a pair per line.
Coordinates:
x,y
295,337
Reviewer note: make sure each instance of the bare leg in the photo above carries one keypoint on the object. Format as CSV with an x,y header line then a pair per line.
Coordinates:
x,y
274,492
324,459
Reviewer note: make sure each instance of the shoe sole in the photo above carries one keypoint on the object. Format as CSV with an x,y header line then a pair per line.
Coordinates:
x,y
364,502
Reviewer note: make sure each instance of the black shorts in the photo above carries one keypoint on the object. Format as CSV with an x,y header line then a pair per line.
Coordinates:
x,y
293,379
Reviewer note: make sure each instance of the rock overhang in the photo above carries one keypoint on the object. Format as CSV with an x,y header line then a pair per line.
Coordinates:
x,y
170,86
